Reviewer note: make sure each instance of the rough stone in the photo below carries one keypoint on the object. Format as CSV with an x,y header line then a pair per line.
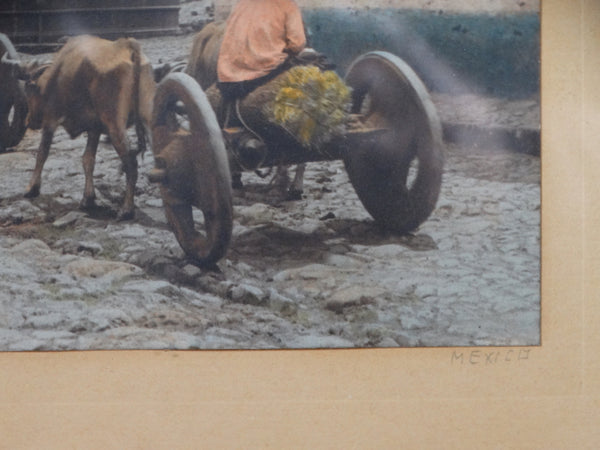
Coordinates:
x,y
20,211
68,219
90,268
282,304
191,271
353,296
256,214
247,294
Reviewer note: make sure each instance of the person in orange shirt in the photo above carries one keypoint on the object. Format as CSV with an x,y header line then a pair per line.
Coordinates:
x,y
260,35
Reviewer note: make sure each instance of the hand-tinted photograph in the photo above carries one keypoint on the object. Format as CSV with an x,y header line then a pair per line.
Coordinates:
x,y
269,174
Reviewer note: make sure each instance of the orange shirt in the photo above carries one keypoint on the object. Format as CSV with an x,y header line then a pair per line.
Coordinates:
x,y
256,35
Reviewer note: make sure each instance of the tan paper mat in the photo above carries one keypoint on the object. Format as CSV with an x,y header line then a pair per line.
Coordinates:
x,y
519,397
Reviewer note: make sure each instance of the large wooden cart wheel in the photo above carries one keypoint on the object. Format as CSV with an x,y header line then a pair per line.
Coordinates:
x,y
192,167
13,103
388,95
13,111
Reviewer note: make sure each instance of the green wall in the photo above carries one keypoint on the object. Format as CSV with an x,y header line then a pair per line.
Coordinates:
x,y
452,53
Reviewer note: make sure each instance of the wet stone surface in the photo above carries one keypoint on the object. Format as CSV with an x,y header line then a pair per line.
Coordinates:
x,y
299,274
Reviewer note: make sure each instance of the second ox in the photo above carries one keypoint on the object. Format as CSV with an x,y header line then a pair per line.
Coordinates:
x,y
202,66
96,86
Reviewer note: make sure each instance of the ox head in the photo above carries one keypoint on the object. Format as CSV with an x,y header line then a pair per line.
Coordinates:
x,y
161,69
30,73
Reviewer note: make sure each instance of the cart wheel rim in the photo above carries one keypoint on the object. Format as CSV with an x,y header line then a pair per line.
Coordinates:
x,y
388,93
200,154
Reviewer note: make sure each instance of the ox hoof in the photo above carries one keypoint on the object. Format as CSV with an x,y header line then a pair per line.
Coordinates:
x,y
125,215
236,182
87,203
294,194
32,192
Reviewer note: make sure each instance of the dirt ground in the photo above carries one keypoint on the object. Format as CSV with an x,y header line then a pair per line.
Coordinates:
x,y
299,274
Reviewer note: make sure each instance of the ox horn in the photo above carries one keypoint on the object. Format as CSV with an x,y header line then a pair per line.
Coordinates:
x,y
36,68
22,71
161,70
15,65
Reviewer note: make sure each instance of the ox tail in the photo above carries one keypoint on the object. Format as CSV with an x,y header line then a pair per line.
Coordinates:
x,y
140,129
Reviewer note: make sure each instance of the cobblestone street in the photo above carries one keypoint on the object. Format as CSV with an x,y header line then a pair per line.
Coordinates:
x,y
299,274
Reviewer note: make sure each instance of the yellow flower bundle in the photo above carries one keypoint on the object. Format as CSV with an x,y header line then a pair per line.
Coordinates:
x,y
311,104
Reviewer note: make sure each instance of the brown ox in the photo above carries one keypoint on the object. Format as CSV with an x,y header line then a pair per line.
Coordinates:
x,y
97,86
202,66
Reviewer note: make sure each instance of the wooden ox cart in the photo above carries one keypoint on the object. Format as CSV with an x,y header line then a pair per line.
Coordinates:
x,y
396,131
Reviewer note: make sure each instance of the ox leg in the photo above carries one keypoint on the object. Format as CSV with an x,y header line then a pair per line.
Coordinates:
x,y
130,167
89,160
42,154
281,179
236,180
296,188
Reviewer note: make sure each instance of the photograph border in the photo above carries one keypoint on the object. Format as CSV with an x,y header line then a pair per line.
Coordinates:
x,y
545,396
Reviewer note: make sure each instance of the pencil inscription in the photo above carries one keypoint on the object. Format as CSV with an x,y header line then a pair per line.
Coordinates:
x,y
488,358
